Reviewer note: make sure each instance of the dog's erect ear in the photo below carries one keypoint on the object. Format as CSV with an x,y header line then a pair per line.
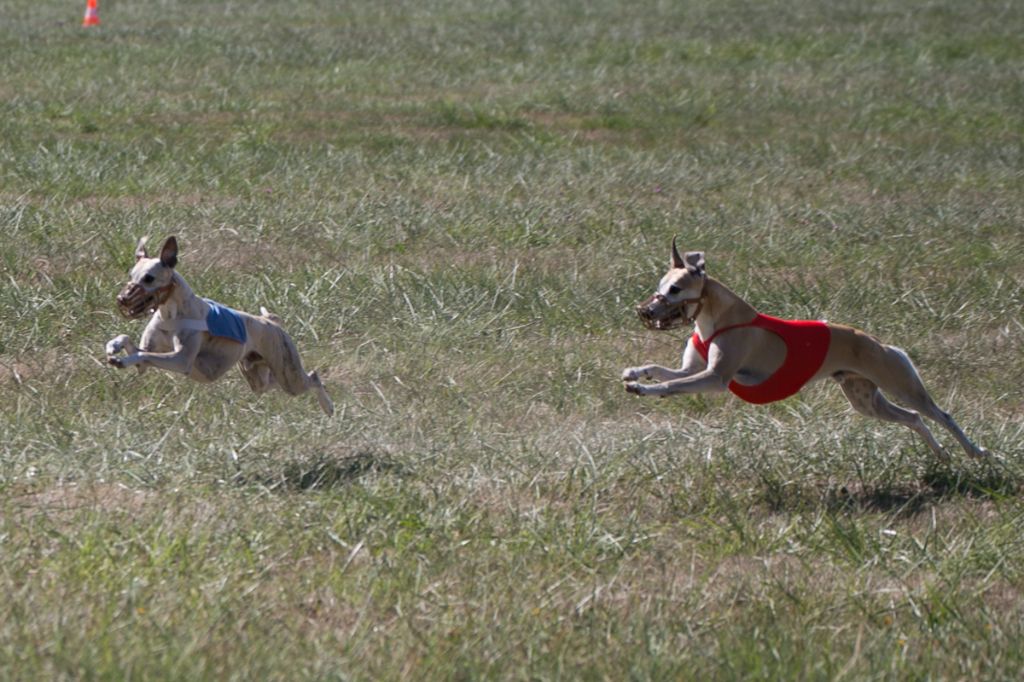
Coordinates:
x,y
140,249
694,262
677,260
169,252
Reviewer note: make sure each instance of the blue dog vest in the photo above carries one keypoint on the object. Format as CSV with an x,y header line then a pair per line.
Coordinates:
x,y
225,323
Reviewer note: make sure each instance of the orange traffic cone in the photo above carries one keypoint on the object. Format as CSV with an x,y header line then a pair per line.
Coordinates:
x,y
92,13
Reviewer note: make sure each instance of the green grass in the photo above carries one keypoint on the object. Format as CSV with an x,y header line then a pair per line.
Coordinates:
x,y
454,206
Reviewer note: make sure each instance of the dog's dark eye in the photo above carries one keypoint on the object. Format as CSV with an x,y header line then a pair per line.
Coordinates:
x,y
147,279
674,290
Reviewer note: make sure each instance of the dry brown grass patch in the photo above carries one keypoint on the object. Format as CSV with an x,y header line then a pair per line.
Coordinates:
x,y
69,500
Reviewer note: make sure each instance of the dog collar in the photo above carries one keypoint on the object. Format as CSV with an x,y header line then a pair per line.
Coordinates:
x,y
690,319
164,293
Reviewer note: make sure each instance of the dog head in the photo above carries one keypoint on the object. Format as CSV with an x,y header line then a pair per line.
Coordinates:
x,y
151,280
682,285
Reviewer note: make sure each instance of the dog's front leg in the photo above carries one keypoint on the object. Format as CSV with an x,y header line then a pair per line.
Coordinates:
x,y
179,360
121,343
118,344
652,373
706,381
692,363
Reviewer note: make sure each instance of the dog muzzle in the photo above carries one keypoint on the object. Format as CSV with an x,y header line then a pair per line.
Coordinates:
x,y
657,313
134,301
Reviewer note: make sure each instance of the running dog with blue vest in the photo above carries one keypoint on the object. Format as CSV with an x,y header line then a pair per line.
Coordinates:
x,y
762,359
200,338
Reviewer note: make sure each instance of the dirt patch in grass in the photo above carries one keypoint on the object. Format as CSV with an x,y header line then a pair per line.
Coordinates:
x,y
50,364
16,371
68,500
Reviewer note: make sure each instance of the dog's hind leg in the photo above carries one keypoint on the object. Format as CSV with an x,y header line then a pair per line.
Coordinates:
x,y
321,394
257,372
865,397
297,383
909,390
946,419
282,359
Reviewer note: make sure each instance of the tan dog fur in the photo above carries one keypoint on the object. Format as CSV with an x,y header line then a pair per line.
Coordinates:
x,y
267,358
864,367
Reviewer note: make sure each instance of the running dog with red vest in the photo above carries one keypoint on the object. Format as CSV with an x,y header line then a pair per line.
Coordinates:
x,y
203,339
762,359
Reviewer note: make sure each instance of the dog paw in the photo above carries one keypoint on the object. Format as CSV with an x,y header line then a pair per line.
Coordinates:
x,y
631,374
980,453
120,344
122,362
634,388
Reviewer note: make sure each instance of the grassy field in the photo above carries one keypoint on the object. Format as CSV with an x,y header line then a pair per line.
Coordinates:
x,y
454,205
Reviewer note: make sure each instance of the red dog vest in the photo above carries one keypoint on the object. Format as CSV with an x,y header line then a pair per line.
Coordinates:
x,y
806,345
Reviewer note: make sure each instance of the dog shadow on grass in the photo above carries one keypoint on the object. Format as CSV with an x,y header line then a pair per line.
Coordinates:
x,y
319,472
933,487
900,499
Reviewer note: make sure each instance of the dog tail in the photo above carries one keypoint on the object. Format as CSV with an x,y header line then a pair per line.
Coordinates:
x,y
267,315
